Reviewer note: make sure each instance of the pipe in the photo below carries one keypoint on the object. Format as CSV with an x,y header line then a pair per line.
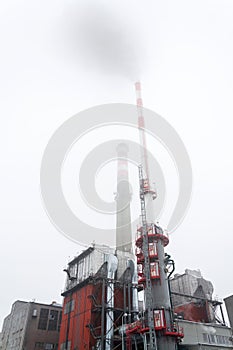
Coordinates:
x,y
134,283
129,302
124,296
171,262
112,263
123,323
135,292
103,314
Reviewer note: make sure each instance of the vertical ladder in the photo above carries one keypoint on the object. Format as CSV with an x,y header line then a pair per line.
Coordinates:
x,y
145,249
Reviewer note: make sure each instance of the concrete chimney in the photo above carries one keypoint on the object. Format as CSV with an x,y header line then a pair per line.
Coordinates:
x,y
123,224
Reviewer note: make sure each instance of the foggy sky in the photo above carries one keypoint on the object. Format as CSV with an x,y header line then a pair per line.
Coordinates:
x,y
184,58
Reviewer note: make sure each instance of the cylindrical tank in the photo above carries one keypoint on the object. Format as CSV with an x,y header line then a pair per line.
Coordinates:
x,y
166,332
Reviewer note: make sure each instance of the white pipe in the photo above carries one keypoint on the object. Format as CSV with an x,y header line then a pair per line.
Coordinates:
x,y
132,265
112,262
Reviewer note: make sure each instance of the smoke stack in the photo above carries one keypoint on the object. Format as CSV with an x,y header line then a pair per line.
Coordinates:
x,y
123,226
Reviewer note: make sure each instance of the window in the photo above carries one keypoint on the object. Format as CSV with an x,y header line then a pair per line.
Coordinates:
x,y
43,320
53,318
152,249
34,313
212,338
206,338
64,347
154,269
140,269
159,320
226,340
220,339
46,346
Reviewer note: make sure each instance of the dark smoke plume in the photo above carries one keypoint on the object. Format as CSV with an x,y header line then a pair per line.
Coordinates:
x,y
102,38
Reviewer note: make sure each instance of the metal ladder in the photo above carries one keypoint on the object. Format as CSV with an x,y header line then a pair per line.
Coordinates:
x,y
145,249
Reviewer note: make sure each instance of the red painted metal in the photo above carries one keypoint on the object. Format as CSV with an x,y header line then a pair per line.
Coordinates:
x,y
74,326
194,312
151,237
83,324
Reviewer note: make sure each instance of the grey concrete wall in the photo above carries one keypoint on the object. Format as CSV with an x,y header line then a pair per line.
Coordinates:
x,y
20,328
14,326
33,334
205,335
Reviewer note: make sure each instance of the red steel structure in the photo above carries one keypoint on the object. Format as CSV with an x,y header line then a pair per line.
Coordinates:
x,y
76,316
86,305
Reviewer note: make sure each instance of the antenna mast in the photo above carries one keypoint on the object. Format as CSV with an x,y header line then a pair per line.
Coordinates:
x,y
141,128
160,332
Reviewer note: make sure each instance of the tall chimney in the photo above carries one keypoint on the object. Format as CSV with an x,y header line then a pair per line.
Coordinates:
x,y
123,225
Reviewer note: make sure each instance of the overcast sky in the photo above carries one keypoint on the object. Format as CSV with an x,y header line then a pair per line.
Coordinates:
x,y
52,68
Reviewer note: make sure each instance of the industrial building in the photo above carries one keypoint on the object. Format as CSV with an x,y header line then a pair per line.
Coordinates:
x,y
95,301
229,306
205,336
192,297
86,307
126,297
101,308
198,313
31,325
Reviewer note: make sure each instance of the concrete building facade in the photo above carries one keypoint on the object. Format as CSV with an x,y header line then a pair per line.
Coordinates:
x,y
30,326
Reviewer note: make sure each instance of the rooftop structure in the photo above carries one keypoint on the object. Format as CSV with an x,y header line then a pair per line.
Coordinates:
x,y
191,283
192,298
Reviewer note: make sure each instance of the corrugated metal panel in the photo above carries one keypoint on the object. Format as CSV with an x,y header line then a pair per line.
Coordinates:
x,y
191,283
86,264
229,306
74,326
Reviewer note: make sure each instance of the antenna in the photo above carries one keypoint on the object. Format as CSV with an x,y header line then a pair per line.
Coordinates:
x,y
141,128
150,193
152,265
